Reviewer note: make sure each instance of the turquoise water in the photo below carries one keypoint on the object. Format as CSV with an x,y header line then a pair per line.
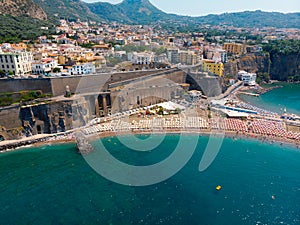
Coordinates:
x,y
276,100
54,185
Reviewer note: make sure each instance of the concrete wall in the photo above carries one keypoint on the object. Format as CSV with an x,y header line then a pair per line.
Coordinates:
x,y
16,85
209,85
92,82
65,114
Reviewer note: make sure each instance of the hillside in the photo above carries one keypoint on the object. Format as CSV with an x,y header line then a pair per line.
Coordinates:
x,y
254,19
23,18
22,8
143,12
67,9
129,11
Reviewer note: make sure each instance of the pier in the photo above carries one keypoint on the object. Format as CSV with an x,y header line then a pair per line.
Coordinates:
x,y
248,93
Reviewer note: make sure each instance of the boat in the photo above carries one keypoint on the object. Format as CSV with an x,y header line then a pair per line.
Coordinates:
x,y
219,187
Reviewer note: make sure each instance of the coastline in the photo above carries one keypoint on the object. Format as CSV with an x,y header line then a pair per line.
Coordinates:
x,y
227,134
98,131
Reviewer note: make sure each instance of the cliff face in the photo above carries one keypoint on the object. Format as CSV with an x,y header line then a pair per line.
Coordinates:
x,y
253,63
21,8
284,66
280,66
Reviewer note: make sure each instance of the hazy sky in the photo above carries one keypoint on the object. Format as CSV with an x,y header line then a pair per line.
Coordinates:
x,y
204,7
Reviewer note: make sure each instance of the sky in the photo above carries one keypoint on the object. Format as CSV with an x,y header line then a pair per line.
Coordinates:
x,y
205,7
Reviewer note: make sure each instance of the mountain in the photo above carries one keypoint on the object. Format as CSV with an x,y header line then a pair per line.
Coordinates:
x,y
21,19
22,8
254,19
129,11
67,9
143,12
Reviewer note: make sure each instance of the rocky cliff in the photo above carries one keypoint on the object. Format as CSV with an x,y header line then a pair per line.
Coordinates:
x,y
284,66
21,8
279,66
253,63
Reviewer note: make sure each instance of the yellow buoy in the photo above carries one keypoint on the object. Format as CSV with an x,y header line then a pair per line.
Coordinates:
x,y
219,187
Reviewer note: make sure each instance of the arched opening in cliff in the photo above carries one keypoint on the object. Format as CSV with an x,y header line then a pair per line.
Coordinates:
x,y
39,129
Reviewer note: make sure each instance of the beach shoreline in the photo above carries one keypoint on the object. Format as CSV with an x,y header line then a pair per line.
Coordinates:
x,y
232,128
227,134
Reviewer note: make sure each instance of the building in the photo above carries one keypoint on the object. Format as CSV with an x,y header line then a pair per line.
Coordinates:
x,y
173,55
213,67
249,79
142,58
218,55
234,48
85,68
187,58
18,63
44,66
162,58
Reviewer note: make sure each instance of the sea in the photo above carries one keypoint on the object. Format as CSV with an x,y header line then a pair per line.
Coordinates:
x,y
54,184
287,97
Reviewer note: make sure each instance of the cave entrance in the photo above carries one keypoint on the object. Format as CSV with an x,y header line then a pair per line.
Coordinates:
x,y
39,129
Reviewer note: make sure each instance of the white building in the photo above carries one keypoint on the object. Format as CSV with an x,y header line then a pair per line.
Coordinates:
x,y
120,54
44,66
85,68
143,58
247,78
17,62
160,58
218,55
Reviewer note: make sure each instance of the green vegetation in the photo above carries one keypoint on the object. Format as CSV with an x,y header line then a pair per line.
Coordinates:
x,y
262,77
112,61
16,29
129,11
87,45
159,51
56,70
9,98
2,73
6,100
295,78
254,19
282,47
133,48
285,60
67,9
143,12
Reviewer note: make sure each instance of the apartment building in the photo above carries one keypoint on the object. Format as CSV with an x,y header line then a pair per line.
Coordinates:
x,y
19,63
85,68
234,48
213,67
143,58
44,66
187,58
173,55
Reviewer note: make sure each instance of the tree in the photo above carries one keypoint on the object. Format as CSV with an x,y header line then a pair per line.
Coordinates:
x,y
2,73
11,73
56,70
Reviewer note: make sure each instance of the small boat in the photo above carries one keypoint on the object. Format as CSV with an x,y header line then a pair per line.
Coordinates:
x,y
219,187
